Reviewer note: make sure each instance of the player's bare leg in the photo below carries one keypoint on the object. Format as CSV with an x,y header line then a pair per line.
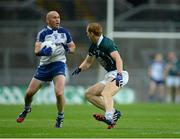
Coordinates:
x,y
31,90
161,92
93,95
59,82
151,93
109,91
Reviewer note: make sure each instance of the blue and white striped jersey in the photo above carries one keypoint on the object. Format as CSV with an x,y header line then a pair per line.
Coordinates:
x,y
57,36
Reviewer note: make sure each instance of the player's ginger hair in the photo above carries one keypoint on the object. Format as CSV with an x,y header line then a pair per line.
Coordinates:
x,y
95,28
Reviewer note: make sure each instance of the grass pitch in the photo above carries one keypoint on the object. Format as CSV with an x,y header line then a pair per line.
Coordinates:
x,y
138,120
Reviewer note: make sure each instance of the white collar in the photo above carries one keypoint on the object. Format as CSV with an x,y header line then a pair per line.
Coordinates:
x,y
49,27
100,40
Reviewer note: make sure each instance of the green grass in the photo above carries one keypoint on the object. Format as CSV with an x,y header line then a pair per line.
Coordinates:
x,y
138,120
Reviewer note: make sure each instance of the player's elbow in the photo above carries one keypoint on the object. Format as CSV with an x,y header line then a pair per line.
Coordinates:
x,y
72,50
88,65
37,48
37,52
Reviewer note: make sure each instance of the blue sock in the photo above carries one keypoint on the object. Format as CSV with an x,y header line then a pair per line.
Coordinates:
x,y
60,114
27,107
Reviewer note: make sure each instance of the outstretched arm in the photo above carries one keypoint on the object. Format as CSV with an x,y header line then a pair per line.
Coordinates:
x,y
84,65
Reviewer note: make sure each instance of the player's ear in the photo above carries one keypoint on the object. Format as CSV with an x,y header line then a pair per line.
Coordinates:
x,y
47,20
91,33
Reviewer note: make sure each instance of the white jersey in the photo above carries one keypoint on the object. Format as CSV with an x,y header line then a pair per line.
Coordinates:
x,y
157,71
58,37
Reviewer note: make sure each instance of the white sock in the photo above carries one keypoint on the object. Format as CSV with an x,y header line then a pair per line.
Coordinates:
x,y
109,115
114,110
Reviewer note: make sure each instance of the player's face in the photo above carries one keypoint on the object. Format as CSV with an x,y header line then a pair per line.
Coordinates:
x,y
171,56
54,20
90,35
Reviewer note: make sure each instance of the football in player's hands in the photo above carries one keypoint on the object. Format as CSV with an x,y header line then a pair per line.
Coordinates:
x,y
48,44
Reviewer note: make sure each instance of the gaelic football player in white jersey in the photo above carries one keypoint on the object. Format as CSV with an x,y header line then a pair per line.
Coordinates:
x,y
52,64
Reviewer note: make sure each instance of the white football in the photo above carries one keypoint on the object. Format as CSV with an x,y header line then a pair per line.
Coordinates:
x,y
49,44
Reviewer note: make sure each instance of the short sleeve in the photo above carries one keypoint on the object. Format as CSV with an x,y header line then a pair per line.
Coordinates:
x,y
112,48
69,38
68,35
40,37
90,51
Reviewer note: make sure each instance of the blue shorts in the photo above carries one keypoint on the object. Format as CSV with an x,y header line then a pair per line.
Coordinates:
x,y
157,82
49,71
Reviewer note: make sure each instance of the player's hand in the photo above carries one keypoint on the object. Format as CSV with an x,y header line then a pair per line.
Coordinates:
x,y
119,80
45,51
76,71
66,48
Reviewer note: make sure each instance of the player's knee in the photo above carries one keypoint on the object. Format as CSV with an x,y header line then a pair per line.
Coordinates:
x,y
105,94
88,95
59,93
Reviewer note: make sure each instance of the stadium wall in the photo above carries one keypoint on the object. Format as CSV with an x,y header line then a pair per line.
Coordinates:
x,y
73,95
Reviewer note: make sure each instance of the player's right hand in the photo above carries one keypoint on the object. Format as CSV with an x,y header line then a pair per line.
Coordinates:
x,y
76,71
118,80
45,51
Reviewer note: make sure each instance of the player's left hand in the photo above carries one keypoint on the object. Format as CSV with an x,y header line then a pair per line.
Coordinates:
x,y
76,71
119,80
66,48
45,51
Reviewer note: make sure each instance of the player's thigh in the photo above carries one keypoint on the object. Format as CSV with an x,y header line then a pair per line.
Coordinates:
x,y
34,86
153,85
161,87
96,89
59,83
110,88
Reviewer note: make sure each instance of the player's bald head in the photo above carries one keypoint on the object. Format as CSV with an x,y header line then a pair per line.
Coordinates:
x,y
53,19
51,14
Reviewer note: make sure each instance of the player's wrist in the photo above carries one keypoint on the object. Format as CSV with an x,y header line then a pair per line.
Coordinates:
x,y
119,76
66,48
40,53
79,69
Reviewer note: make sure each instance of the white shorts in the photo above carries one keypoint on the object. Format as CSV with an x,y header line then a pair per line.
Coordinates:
x,y
112,74
173,81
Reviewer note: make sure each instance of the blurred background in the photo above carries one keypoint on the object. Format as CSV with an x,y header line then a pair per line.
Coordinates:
x,y
20,20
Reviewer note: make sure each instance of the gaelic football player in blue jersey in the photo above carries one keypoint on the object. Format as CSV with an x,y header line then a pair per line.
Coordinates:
x,y
101,94
52,64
